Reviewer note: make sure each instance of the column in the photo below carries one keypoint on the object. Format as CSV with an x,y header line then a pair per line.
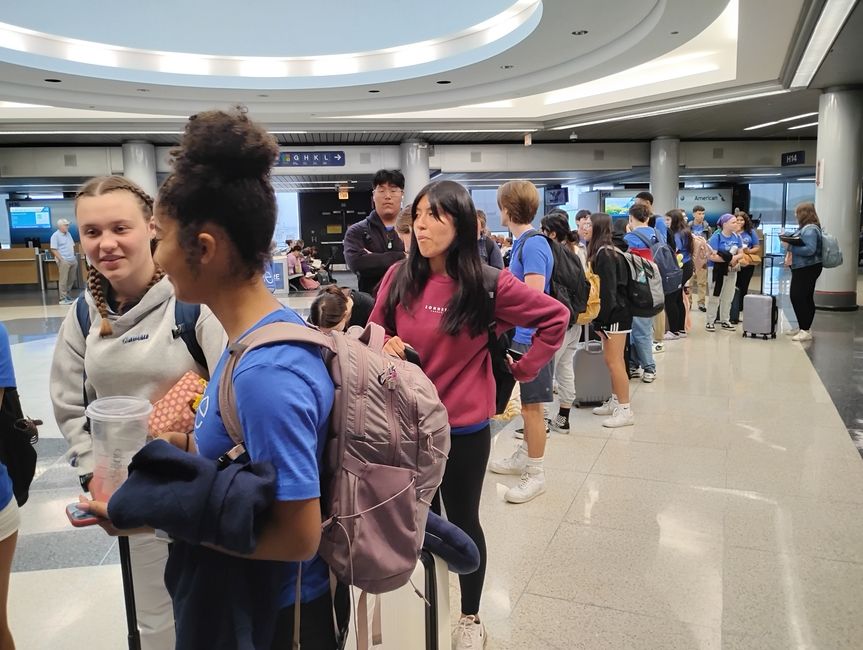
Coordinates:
x,y
415,167
664,173
837,200
139,165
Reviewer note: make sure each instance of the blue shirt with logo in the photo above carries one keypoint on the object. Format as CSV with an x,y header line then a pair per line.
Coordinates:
x,y
536,259
750,238
698,229
7,380
284,395
681,248
720,242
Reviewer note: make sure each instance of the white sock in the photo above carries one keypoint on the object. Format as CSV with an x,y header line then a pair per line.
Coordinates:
x,y
625,408
613,397
534,465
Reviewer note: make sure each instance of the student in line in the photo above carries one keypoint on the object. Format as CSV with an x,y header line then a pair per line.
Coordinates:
x,y
674,302
556,226
403,227
532,263
339,308
489,251
641,360
10,518
614,320
436,303
752,246
726,252
129,349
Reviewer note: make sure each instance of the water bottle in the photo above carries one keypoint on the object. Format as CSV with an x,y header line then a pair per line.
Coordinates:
x,y
118,426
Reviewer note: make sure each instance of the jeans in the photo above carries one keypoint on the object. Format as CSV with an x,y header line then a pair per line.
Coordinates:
x,y
641,344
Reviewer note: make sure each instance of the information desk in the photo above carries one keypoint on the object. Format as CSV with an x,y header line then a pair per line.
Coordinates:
x,y
19,266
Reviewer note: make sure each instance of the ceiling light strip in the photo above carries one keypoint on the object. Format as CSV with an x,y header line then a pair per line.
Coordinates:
x,y
787,119
666,111
94,132
802,126
830,23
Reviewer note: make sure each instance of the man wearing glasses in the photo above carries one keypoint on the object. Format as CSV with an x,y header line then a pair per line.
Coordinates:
x,y
372,245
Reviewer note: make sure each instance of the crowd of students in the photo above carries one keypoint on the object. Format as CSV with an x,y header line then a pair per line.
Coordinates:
x,y
424,275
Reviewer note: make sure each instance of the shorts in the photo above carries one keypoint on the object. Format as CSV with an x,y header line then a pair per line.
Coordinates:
x,y
10,519
541,389
613,328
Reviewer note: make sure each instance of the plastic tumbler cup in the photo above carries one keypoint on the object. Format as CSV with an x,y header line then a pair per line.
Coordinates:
x,y
119,429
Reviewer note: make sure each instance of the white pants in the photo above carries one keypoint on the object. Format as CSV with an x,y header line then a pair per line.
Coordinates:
x,y
724,299
10,519
152,602
564,371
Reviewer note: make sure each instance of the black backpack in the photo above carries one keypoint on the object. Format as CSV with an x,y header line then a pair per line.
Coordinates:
x,y
497,346
666,260
569,285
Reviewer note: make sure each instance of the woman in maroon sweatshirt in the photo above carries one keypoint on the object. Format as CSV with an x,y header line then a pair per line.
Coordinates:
x,y
435,303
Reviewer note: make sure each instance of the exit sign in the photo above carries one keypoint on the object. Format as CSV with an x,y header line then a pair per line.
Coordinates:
x,y
793,158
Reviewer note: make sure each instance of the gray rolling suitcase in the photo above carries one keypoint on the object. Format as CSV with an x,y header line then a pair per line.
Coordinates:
x,y
592,380
759,316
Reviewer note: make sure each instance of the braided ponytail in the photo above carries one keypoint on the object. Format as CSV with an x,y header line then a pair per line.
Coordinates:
x,y
98,286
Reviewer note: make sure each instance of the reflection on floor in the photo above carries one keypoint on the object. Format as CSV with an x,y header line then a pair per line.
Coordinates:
x,y
729,516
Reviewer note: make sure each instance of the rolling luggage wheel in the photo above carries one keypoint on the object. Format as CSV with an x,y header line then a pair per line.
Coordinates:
x,y
773,335
764,337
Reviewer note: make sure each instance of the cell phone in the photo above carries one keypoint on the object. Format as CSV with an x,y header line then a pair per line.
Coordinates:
x,y
516,356
80,518
412,356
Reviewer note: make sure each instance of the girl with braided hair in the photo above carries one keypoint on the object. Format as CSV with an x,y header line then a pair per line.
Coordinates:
x,y
129,349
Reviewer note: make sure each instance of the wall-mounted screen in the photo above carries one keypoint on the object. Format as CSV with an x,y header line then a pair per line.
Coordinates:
x,y
556,195
617,206
32,216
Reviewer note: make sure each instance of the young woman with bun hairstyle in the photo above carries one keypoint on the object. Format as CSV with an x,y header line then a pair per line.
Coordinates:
x,y
129,349
675,307
338,308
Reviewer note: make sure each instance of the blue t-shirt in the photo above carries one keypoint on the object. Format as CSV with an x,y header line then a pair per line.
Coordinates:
x,y
7,380
698,229
720,242
538,259
653,235
284,395
750,238
679,244
63,244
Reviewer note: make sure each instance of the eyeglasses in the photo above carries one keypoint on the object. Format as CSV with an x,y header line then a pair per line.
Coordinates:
x,y
388,191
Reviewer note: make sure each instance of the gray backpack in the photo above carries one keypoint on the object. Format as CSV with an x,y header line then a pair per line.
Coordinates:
x,y
385,455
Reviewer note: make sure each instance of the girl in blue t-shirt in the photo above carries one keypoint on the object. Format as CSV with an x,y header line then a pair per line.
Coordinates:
x,y
726,251
214,221
752,246
675,303
9,517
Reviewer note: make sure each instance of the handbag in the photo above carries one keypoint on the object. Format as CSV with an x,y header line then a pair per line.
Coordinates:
x,y
18,434
176,410
752,259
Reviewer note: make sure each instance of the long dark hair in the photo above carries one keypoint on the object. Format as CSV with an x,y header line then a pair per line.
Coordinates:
x,y
558,224
470,305
679,225
602,234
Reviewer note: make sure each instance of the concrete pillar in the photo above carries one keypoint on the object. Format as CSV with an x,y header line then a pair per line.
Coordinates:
x,y
415,166
664,173
837,201
139,165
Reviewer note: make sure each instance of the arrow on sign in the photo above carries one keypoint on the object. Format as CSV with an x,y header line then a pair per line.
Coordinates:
x,y
337,157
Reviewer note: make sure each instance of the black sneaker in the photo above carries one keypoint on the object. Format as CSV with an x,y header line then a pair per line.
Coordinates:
x,y
560,424
635,373
710,327
728,327
519,433
702,308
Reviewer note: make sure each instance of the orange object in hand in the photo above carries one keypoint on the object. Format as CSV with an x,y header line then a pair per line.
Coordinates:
x,y
176,410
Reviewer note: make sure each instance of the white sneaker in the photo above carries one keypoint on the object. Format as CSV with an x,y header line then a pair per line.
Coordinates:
x,y
658,348
608,407
792,332
619,419
468,634
649,376
802,335
531,485
515,464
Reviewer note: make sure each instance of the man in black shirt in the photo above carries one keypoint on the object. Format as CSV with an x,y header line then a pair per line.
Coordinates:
x,y
372,245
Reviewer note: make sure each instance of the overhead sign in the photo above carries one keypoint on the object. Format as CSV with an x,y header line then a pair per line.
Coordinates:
x,y
311,159
793,158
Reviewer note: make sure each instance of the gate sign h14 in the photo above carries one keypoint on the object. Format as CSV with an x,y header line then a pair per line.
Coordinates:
x,y
311,159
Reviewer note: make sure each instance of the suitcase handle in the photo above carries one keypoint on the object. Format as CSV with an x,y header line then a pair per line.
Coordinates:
x,y
593,347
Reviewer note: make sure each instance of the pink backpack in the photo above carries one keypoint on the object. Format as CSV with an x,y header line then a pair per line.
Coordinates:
x,y
385,455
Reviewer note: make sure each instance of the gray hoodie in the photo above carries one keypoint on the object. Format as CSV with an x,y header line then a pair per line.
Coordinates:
x,y
142,358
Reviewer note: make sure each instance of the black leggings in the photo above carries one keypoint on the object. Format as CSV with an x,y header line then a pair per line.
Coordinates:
x,y
674,307
317,630
744,277
461,491
803,294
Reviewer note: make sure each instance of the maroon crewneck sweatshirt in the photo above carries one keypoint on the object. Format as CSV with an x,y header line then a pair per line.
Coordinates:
x,y
460,366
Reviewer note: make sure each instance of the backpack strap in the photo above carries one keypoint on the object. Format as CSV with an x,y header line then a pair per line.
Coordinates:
x,y
645,239
82,313
266,335
186,317
531,233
